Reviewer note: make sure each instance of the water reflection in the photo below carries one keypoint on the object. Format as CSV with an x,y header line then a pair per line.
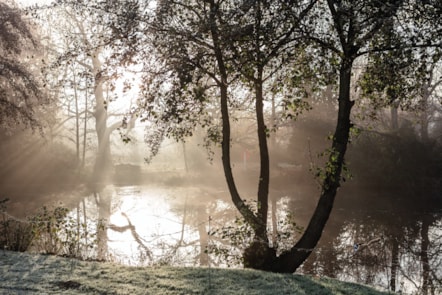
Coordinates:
x,y
398,249
158,225
151,226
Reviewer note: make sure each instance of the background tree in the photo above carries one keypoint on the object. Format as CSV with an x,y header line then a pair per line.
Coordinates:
x,y
20,90
85,53
30,164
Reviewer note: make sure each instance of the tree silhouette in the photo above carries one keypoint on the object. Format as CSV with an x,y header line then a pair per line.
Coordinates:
x,y
20,91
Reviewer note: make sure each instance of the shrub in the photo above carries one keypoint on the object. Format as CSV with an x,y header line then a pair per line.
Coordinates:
x,y
53,230
15,235
59,233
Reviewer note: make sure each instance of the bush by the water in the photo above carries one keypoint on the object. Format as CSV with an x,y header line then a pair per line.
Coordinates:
x,y
52,230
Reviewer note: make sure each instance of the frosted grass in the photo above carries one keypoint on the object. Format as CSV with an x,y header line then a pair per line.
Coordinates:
x,y
24,273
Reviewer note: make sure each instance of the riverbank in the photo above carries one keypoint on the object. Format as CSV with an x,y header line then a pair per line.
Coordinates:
x,y
23,273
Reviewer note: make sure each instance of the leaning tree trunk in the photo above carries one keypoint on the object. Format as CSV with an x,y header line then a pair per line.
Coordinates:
x,y
289,261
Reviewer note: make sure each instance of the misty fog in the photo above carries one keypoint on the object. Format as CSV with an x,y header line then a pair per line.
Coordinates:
x,y
383,198
116,144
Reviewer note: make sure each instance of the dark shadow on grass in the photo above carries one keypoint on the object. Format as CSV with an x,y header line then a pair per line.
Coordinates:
x,y
219,282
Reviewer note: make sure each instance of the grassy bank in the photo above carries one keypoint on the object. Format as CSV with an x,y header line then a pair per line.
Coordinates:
x,y
22,273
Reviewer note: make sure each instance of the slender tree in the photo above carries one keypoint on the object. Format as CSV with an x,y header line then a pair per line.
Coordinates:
x,y
86,49
266,41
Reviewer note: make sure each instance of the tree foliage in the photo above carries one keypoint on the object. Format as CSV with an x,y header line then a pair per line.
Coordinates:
x,y
221,49
20,91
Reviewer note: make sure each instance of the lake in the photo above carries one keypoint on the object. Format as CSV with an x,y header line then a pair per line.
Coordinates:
x,y
373,239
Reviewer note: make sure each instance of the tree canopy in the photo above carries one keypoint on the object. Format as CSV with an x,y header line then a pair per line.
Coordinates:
x,y
219,46
203,61
20,91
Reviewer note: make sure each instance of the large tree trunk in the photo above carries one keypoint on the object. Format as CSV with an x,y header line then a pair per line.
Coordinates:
x,y
289,261
102,172
101,178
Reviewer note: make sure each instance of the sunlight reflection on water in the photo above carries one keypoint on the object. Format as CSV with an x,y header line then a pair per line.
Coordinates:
x,y
156,215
